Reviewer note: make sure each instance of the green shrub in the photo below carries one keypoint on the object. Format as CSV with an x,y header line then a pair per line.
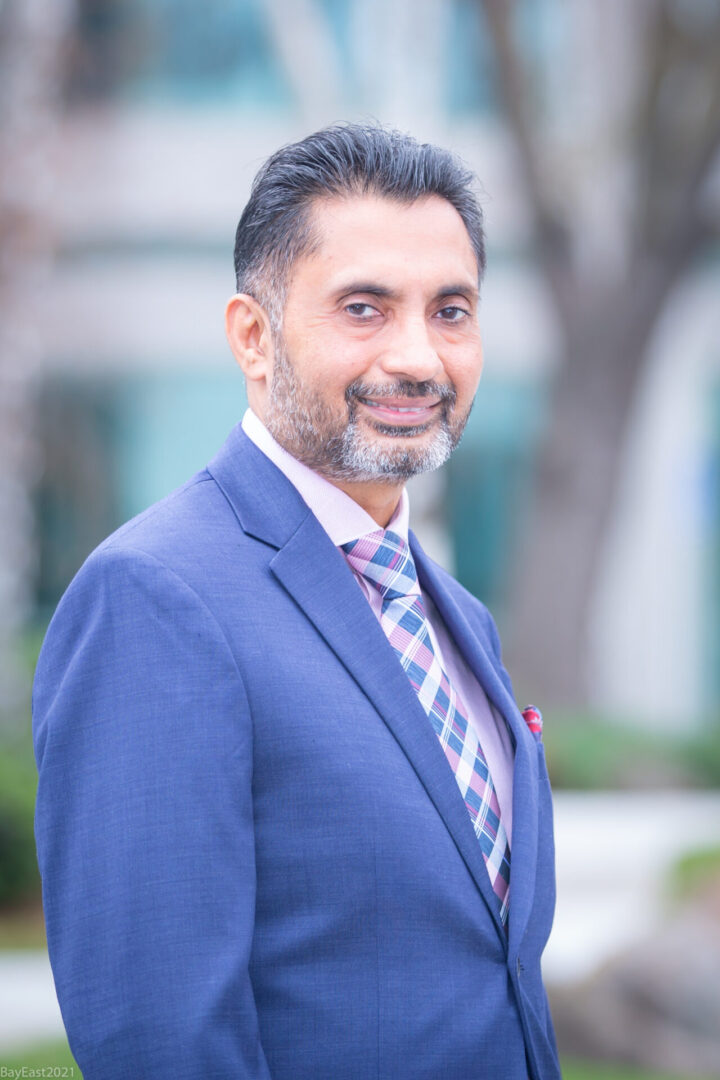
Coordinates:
x,y
695,872
590,753
702,754
588,1070
19,877
50,1056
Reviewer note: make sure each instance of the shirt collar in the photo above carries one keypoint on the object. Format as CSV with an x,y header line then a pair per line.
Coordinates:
x,y
340,516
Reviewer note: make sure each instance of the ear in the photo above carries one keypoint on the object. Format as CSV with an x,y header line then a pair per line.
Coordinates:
x,y
248,331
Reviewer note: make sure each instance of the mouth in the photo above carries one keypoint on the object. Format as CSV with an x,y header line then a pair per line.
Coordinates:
x,y
397,410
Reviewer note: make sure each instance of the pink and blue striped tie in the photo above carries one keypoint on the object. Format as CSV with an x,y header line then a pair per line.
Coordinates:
x,y
384,560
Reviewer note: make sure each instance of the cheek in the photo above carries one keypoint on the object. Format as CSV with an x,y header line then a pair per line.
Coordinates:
x,y
326,351
341,365
464,373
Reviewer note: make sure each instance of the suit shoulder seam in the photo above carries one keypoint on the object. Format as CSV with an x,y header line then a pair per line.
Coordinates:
x,y
152,511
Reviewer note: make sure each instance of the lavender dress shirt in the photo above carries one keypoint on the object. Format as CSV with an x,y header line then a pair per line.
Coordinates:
x,y
344,520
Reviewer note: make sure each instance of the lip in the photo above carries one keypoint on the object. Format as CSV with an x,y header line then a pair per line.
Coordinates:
x,y
400,410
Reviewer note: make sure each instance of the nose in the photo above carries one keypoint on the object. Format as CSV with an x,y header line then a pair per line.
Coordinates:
x,y
411,352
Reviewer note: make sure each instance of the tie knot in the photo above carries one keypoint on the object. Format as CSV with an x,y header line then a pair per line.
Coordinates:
x,y
383,558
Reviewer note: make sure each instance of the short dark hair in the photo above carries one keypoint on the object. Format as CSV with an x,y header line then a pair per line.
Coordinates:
x,y
345,159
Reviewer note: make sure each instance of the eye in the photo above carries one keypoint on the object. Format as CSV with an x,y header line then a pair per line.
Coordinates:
x,y
453,314
360,310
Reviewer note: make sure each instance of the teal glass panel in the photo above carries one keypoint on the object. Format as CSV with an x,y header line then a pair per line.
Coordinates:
x,y
169,425
489,480
470,81
218,51
222,52
113,446
74,501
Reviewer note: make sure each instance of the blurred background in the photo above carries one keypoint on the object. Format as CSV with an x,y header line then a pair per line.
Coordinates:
x,y
583,504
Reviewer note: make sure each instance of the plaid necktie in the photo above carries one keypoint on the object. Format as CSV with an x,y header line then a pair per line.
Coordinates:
x,y
384,560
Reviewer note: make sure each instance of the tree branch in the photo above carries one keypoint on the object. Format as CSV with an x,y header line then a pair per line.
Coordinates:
x,y
304,42
514,84
680,145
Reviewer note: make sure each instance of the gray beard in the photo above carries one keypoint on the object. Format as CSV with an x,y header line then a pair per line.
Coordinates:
x,y
337,447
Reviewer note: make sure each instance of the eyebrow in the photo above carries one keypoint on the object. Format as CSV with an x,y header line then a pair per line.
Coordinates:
x,y
459,289
365,287
373,289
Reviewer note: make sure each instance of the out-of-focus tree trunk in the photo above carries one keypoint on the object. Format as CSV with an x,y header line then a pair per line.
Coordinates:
x,y
305,46
661,137
33,35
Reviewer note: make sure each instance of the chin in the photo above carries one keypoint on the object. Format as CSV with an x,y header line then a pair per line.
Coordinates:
x,y
401,431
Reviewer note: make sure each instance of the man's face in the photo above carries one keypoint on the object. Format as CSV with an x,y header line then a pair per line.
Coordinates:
x,y
375,372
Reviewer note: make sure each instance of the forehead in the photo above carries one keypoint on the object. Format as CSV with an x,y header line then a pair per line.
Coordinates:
x,y
365,237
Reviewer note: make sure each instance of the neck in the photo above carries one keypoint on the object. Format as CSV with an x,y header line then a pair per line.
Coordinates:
x,y
378,500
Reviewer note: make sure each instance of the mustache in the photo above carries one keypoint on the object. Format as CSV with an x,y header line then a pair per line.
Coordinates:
x,y
402,388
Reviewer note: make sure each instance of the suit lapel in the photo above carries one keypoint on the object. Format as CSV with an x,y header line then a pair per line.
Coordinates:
x,y
525,775
319,579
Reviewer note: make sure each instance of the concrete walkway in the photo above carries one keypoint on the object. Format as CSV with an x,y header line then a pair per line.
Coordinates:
x,y
613,854
29,1012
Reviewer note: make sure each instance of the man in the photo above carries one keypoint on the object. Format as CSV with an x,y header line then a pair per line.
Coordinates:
x,y
290,821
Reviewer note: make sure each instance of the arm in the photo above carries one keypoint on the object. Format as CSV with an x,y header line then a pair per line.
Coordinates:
x,y
144,828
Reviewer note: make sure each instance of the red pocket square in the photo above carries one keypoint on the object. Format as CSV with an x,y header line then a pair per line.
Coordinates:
x,y
533,718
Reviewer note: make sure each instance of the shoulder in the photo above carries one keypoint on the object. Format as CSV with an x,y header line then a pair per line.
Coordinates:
x,y
177,527
162,569
178,541
137,609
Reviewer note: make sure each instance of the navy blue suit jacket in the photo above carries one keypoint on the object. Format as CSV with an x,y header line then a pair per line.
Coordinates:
x,y
256,862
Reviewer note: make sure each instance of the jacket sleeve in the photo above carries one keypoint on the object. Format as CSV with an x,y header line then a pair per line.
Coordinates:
x,y
144,828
